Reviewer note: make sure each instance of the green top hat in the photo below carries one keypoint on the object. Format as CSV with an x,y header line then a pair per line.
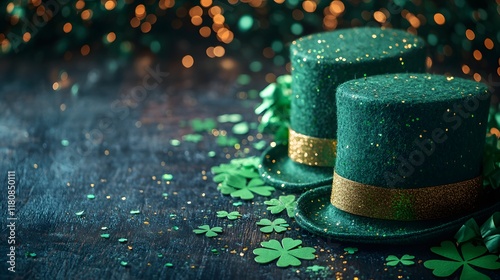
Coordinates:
x,y
321,62
408,162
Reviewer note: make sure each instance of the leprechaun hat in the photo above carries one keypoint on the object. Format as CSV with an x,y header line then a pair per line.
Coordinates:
x,y
409,159
321,62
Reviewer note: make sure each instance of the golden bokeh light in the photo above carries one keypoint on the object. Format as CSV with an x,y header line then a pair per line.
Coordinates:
x,y
187,61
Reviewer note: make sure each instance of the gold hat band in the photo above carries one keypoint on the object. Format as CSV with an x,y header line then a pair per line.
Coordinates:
x,y
405,204
311,150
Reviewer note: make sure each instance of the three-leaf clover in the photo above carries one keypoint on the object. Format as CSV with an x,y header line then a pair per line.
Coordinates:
x,y
231,216
238,187
288,252
209,232
284,202
404,260
471,256
278,225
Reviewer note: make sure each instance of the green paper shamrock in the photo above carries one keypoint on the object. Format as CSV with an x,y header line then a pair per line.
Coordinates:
x,y
404,260
226,141
284,202
489,233
233,118
248,162
224,170
471,256
209,232
315,268
195,138
241,128
276,99
288,252
278,225
238,187
350,250
200,125
231,216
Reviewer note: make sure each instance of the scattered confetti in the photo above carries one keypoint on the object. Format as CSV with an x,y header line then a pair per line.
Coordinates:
x,y
259,145
80,213
288,252
90,196
268,226
315,268
211,154
175,142
167,177
284,202
233,118
30,255
238,203
226,141
168,265
65,143
105,235
195,138
135,212
209,232
200,125
123,263
122,240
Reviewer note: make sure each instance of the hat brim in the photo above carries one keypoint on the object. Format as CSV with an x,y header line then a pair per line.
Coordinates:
x,y
316,214
278,170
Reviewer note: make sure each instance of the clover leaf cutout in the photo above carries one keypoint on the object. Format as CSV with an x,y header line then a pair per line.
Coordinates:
x,y
248,162
230,215
315,268
471,256
350,250
284,202
288,252
237,186
222,171
200,125
278,225
209,232
404,260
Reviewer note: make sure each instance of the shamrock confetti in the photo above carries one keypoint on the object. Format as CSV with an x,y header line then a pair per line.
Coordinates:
x,y
241,128
105,235
288,252
123,263
248,162
122,240
350,250
315,268
226,141
195,138
133,212
167,177
209,232
90,196
200,125
238,187
284,202
224,170
404,260
231,216
471,256
278,225
233,118
168,265
30,255
80,213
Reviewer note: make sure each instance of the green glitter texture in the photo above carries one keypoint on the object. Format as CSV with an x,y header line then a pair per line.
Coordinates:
x,y
411,130
322,61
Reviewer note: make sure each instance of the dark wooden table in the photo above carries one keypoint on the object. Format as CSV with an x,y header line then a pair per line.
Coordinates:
x,y
107,131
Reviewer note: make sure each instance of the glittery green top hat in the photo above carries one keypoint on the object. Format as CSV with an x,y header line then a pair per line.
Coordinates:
x,y
409,159
321,62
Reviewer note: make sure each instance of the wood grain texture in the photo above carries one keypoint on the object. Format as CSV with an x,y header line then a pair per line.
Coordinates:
x,y
136,134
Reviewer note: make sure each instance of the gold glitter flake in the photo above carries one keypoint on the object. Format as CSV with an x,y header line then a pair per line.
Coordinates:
x,y
311,150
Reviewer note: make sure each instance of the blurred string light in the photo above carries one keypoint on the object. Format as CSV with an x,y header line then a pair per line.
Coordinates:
x,y
463,33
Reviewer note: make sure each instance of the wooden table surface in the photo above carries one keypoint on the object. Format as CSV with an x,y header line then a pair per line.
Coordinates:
x,y
106,131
